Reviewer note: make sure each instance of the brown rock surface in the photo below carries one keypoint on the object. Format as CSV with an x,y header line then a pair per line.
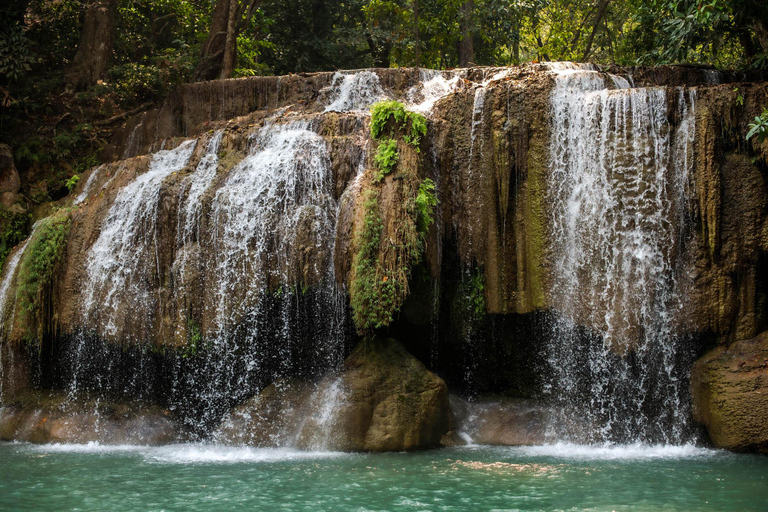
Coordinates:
x,y
40,418
729,386
383,399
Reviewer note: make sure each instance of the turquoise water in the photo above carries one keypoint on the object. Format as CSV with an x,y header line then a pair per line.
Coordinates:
x,y
206,477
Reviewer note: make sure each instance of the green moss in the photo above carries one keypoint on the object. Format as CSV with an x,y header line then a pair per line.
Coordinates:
x,y
381,267
37,271
194,340
386,158
471,295
425,206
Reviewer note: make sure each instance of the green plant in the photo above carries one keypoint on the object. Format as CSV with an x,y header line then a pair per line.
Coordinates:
x,y
194,340
71,183
759,127
386,158
38,269
739,97
412,125
425,206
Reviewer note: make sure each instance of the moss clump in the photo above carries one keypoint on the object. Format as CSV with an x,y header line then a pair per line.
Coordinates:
x,y
411,125
386,158
384,258
425,206
37,271
471,295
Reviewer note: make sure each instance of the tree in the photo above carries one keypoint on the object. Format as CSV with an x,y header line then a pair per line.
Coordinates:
x,y
230,18
466,47
96,44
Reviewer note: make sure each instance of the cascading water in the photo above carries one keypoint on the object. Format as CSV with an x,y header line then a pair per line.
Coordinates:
x,y
619,180
354,91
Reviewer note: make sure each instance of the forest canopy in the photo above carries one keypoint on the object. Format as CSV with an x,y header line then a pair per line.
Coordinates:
x,y
70,69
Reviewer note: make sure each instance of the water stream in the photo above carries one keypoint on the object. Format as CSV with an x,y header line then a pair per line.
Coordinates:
x,y
619,180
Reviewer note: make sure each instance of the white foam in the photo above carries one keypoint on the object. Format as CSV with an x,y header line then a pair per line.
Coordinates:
x,y
636,451
91,447
189,453
203,453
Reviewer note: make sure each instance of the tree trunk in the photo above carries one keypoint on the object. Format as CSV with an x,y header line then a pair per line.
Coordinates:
x,y
212,57
599,17
230,18
417,34
230,43
466,49
96,44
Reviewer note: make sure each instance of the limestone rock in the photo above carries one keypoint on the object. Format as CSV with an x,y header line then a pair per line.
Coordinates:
x,y
729,386
383,399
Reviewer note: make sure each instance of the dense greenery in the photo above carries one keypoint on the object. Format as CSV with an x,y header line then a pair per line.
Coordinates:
x,y
158,44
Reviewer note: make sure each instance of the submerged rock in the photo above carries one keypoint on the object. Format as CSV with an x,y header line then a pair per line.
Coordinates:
x,y
40,418
501,421
729,386
383,399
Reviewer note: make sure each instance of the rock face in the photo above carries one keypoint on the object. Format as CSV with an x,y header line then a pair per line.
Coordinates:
x,y
222,260
40,418
730,394
383,399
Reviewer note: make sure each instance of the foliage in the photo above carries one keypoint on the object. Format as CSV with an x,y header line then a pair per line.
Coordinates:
x,y
38,268
759,127
386,158
15,56
71,183
15,228
425,206
413,126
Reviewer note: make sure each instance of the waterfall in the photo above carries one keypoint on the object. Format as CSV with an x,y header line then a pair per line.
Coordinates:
x,y
354,91
125,253
618,184
82,196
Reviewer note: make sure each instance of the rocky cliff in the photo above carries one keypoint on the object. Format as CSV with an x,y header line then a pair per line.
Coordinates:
x,y
214,255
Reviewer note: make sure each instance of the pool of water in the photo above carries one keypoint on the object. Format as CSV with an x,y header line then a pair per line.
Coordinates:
x,y
210,477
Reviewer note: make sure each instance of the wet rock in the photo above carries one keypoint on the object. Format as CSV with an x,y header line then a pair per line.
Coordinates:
x,y
383,399
729,386
40,418
499,421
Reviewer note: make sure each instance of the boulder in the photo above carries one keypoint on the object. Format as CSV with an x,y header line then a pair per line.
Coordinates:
x,y
729,388
382,399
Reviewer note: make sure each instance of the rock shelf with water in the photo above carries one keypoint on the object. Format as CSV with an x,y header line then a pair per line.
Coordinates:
x,y
596,233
